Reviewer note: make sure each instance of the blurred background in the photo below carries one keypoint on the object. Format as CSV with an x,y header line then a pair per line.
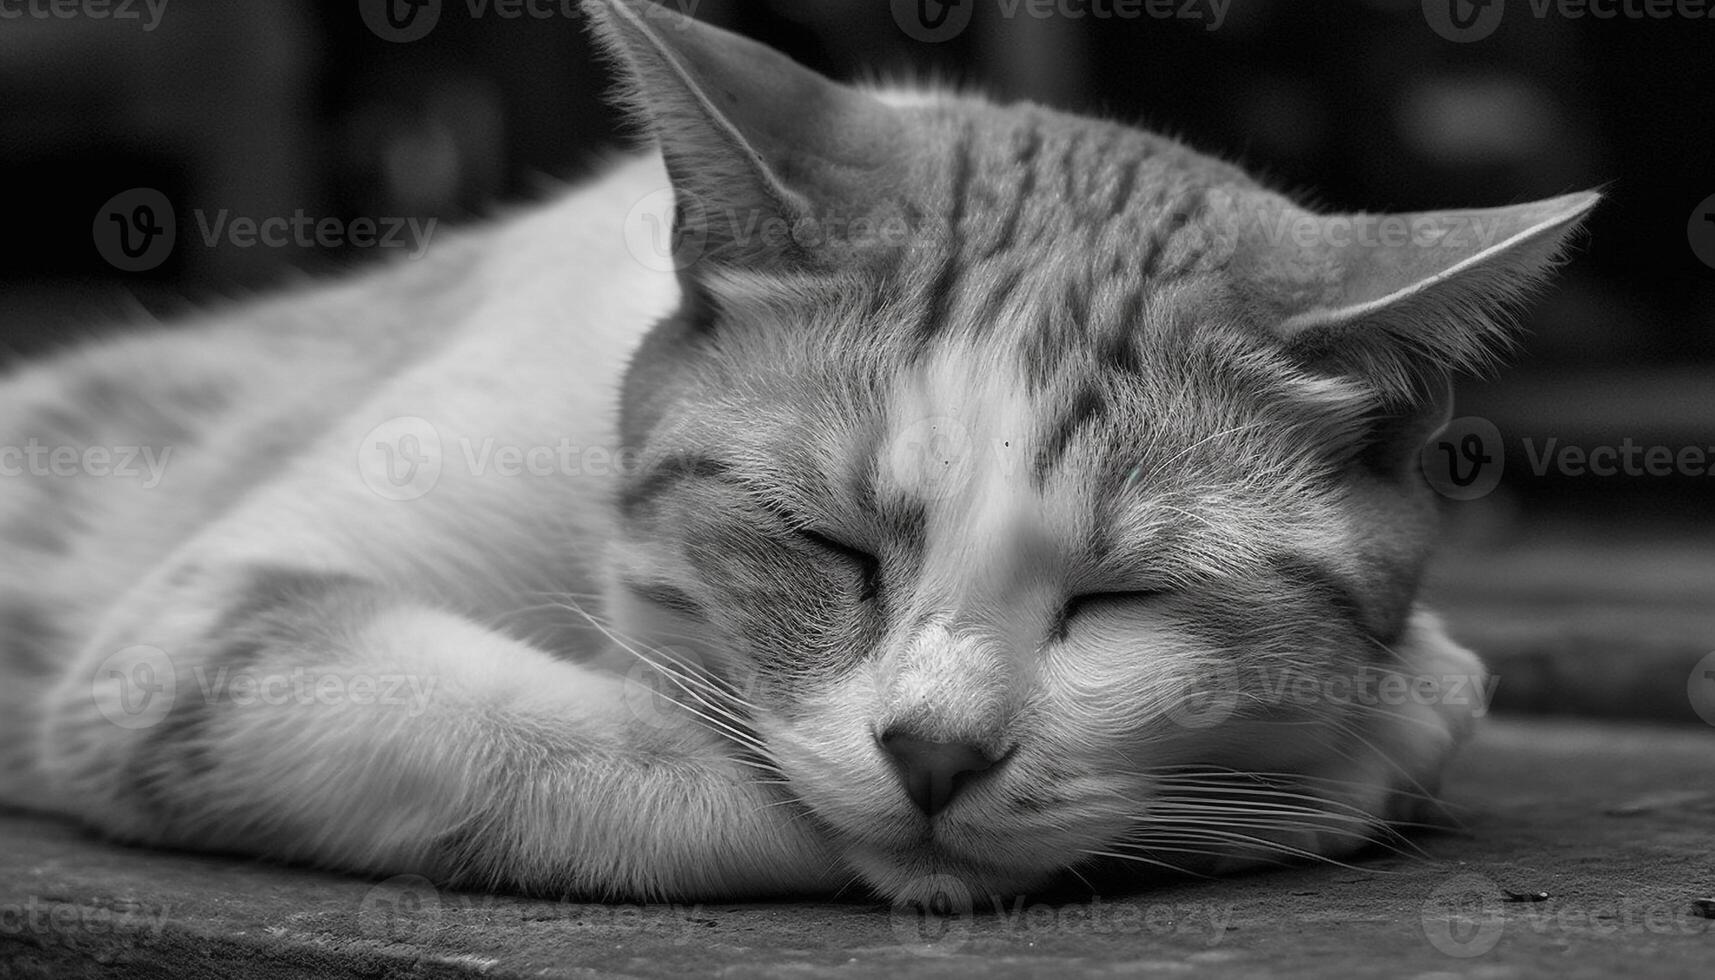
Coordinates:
x,y
1596,593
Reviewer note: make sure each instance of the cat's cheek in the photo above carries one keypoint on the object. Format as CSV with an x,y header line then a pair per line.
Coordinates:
x,y
795,616
1411,739
830,756
1455,689
653,626
1120,681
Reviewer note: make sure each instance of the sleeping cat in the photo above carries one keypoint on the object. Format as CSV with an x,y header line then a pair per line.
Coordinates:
x,y
968,491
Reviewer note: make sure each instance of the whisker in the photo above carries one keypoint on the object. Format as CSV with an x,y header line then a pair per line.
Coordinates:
x,y
1140,859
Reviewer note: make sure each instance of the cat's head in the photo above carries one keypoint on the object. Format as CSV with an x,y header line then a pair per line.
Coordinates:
x,y
1004,464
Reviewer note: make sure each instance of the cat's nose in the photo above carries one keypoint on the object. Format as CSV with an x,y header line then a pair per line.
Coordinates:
x,y
933,772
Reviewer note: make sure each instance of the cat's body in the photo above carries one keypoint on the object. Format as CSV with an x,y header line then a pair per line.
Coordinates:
x,y
979,541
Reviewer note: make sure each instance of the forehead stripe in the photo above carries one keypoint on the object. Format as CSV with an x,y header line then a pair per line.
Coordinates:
x,y
1187,210
939,308
1025,161
1087,407
1126,187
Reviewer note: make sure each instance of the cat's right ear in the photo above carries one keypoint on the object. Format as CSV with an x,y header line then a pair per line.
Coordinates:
x,y
1404,300
764,154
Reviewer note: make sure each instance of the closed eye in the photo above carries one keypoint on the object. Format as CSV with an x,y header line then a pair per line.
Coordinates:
x,y
868,565
1089,601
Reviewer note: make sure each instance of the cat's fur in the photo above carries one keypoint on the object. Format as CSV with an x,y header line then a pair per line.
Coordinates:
x,y
870,478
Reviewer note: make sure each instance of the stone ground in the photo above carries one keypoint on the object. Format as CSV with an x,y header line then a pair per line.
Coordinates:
x,y
1613,820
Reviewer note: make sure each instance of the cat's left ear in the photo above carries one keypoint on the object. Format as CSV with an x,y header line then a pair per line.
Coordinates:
x,y
772,164
1405,300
